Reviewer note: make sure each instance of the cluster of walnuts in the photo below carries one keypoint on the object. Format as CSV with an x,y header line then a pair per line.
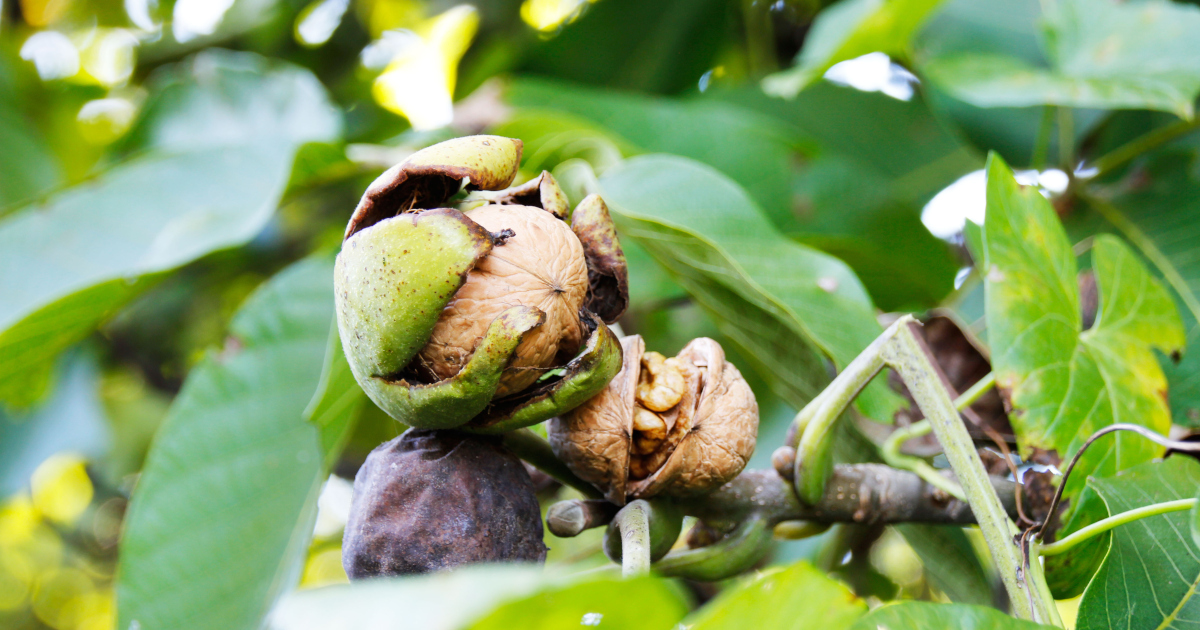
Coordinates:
x,y
468,308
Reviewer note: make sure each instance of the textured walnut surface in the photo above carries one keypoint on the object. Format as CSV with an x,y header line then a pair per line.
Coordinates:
x,y
541,265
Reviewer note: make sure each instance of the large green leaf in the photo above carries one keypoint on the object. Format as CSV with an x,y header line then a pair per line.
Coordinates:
x,y
849,29
1152,571
490,596
1162,214
707,230
1101,53
217,150
749,148
648,602
1066,383
335,406
224,508
27,167
799,596
925,615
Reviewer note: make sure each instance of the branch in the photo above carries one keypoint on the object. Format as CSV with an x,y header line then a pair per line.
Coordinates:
x,y
858,493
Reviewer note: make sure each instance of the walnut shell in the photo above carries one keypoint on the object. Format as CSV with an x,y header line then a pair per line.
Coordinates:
x,y
711,431
431,500
540,265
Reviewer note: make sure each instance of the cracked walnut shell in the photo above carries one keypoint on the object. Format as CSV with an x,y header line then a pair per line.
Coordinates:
x,y
626,444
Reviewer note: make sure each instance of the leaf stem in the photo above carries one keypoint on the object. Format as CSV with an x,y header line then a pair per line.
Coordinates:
x,y
1041,142
1066,139
1099,527
633,521
1135,235
1108,162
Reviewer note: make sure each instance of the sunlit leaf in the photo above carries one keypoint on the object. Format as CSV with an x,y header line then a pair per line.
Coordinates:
x,y
1101,53
850,29
1152,571
224,507
925,615
218,142
799,596
708,231
646,602
1066,383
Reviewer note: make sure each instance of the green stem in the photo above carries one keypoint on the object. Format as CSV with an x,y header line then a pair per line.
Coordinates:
x,y
909,357
1066,139
530,447
1099,527
633,521
1110,161
972,395
1135,235
736,553
814,454
1041,143
890,449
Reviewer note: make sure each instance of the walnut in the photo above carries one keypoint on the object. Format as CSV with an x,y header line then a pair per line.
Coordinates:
x,y
629,446
541,265
431,500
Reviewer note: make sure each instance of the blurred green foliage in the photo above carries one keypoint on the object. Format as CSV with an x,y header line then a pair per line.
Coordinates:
x,y
175,177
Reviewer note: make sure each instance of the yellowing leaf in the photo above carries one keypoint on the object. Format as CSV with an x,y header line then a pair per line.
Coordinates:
x,y
419,83
1066,383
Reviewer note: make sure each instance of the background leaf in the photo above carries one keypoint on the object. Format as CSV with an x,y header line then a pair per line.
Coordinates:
x,y
922,615
799,596
1150,576
210,181
646,602
1066,383
224,508
714,229
1102,54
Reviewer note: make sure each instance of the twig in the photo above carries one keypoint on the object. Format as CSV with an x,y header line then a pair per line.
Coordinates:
x,y
1109,161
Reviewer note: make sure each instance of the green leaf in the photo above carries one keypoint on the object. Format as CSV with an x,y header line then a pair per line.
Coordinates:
x,y
1150,577
220,137
750,148
335,406
646,602
850,29
1163,214
224,508
707,230
488,595
799,596
925,615
1067,383
950,562
1101,53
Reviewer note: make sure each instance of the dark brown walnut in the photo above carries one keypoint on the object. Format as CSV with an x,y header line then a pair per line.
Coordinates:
x,y
678,427
540,264
432,500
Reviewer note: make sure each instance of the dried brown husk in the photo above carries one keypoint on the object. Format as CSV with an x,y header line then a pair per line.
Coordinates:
x,y
432,500
711,431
